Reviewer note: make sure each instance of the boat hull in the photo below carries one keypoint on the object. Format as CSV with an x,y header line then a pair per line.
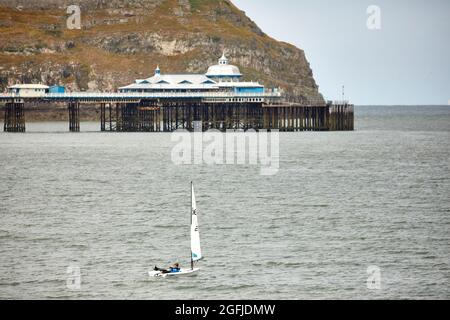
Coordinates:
x,y
159,274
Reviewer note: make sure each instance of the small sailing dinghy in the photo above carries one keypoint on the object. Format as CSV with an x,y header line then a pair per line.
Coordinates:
x,y
196,252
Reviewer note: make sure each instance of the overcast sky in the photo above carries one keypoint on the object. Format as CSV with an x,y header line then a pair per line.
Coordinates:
x,y
407,61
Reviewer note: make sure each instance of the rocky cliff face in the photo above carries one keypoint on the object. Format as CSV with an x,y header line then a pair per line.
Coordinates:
x,y
121,40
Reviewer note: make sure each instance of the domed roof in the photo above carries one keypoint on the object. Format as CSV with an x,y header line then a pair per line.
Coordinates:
x,y
223,69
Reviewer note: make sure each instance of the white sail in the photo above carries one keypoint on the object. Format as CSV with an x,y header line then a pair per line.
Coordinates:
x,y
195,233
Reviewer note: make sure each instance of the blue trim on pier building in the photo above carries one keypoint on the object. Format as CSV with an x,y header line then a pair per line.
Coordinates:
x,y
57,89
249,90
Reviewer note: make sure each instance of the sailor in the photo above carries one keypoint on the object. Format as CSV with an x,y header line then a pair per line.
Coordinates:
x,y
173,269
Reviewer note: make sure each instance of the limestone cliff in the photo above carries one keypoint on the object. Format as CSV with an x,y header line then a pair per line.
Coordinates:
x,y
121,40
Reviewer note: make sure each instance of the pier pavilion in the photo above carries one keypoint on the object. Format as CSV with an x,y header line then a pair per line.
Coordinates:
x,y
222,77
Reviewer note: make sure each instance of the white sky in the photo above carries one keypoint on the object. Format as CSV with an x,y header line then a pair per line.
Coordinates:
x,y
407,61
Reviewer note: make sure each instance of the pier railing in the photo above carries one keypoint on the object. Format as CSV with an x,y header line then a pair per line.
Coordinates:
x,y
160,95
143,95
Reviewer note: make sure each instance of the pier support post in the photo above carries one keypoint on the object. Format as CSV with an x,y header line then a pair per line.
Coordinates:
x,y
340,117
102,117
14,116
74,116
147,116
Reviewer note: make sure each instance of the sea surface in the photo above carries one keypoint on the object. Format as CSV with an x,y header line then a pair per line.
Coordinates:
x,y
113,205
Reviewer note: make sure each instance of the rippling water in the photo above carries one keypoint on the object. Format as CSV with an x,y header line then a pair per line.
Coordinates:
x,y
114,205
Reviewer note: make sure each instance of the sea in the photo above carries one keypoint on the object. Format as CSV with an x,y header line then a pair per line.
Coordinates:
x,y
347,215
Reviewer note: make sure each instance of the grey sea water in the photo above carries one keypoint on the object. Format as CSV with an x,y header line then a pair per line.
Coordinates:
x,y
114,205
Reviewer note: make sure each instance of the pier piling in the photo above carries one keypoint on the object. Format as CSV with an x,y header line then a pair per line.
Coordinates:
x,y
341,116
14,116
74,116
168,116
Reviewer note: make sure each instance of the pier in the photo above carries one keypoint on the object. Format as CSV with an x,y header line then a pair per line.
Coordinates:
x,y
167,112
219,99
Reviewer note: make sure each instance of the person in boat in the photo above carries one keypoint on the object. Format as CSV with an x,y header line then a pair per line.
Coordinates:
x,y
173,269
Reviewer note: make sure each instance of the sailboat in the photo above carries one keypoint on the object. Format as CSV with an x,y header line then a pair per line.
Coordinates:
x,y
196,252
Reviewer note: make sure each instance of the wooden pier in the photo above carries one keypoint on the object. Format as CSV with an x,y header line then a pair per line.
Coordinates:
x,y
341,117
168,115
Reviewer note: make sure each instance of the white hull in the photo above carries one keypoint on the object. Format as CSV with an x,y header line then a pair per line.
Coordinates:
x,y
159,274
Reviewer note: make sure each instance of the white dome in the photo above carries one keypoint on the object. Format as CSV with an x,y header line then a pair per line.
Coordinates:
x,y
223,69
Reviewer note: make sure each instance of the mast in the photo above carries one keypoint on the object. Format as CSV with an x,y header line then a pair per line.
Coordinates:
x,y
192,259
196,251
